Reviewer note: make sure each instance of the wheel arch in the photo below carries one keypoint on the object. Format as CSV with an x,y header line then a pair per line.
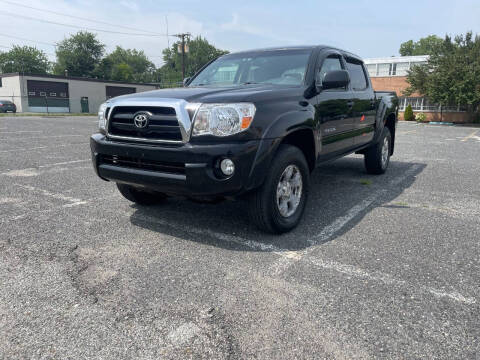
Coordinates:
x,y
390,123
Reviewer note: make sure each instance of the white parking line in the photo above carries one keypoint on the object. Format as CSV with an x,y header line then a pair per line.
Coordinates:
x,y
71,200
286,257
42,147
330,230
65,163
21,132
34,171
44,137
472,135
377,276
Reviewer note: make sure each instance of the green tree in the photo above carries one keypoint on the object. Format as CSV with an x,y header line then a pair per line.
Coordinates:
x,y
408,114
25,59
122,72
200,52
452,75
126,65
79,54
425,46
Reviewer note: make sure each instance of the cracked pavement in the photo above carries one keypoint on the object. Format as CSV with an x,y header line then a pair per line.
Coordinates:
x,y
380,267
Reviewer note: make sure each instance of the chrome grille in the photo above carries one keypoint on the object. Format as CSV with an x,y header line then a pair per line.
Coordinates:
x,y
162,123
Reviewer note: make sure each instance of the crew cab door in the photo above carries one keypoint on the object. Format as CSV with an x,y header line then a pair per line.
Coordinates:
x,y
333,110
364,108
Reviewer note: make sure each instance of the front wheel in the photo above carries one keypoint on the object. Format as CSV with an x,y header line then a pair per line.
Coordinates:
x,y
377,157
278,205
140,197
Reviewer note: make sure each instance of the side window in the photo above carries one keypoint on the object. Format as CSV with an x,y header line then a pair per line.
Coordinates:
x,y
330,64
357,75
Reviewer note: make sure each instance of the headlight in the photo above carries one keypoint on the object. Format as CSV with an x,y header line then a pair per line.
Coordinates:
x,y
102,116
223,119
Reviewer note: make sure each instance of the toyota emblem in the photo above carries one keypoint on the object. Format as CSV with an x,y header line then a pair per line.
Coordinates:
x,y
140,120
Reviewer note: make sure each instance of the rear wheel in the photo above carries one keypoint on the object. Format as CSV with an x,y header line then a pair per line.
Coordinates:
x,y
278,205
140,197
377,157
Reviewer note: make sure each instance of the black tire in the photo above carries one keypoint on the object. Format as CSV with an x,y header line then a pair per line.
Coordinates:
x,y
140,197
375,163
263,206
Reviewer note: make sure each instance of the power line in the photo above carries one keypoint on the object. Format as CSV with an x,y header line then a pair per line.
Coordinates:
x,y
20,38
4,12
39,42
81,18
11,47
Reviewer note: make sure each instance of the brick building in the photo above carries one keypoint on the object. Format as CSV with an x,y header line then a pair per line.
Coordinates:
x,y
390,74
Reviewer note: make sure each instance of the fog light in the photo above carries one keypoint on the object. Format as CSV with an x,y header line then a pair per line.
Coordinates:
x,y
227,166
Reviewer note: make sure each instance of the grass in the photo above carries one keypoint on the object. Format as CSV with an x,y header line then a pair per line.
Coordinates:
x,y
366,182
400,203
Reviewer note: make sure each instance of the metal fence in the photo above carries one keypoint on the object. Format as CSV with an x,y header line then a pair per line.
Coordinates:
x,y
420,104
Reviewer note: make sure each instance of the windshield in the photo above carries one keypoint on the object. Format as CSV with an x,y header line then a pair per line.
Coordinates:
x,y
282,67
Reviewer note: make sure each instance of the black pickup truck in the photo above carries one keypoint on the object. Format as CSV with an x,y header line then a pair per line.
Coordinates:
x,y
252,124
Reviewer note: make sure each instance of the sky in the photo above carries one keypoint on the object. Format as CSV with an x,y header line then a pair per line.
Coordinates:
x,y
367,28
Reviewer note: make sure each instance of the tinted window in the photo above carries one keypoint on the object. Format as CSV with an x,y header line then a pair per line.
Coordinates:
x,y
357,75
330,64
268,67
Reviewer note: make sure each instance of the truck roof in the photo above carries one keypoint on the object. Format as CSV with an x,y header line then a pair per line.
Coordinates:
x,y
298,47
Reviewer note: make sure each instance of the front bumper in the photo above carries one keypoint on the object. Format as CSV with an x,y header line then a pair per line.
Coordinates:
x,y
196,172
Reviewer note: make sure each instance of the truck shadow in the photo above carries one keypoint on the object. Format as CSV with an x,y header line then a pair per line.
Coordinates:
x,y
335,189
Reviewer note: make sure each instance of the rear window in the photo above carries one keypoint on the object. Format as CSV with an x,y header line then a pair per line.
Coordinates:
x,y
357,75
5,102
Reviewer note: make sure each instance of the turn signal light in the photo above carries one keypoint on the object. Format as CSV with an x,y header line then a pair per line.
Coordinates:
x,y
246,122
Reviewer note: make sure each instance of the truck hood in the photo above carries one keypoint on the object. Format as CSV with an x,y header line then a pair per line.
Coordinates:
x,y
205,94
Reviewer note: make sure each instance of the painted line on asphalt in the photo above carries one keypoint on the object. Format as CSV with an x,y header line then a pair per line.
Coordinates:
x,y
43,137
470,136
252,244
51,210
71,200
283,254
21,132
336,226
42,147
387,279
34,171
406,132
65,163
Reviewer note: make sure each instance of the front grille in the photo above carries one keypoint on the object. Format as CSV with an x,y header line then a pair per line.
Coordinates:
x,y
162,124
143,164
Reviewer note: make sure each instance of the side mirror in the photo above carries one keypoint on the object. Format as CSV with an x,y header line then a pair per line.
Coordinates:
x,y
334,80
185,81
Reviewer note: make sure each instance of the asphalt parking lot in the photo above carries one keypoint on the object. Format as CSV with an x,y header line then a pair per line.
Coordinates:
x,y
381,266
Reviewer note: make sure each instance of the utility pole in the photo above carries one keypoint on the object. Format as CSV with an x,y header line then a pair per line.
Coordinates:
x,y
183,50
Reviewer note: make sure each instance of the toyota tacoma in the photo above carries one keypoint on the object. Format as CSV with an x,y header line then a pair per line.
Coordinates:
x,y
252,124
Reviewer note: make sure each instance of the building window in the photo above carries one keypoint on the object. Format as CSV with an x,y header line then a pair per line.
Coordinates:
x,y
43,93
372,69
31,93
62,94
53,94
1,82
402,69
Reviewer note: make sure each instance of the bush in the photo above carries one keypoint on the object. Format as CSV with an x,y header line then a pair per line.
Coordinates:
x,y
408,114
421,117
